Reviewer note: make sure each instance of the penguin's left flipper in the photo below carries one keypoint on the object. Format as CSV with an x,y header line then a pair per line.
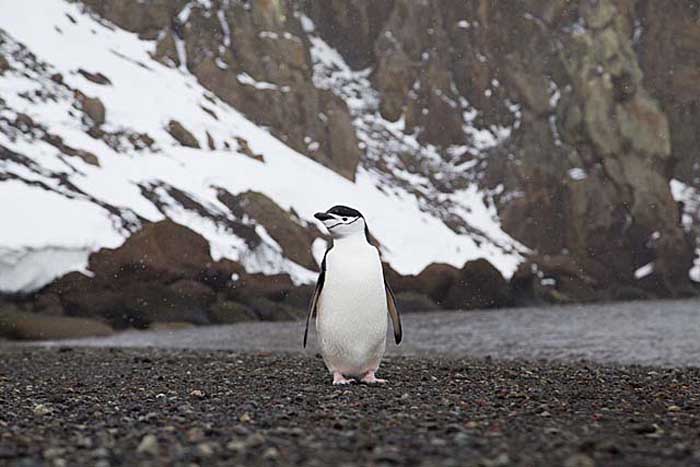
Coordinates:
x,y
317,293
393,312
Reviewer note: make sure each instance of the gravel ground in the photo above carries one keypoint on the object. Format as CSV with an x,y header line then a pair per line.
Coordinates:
x,y
68,406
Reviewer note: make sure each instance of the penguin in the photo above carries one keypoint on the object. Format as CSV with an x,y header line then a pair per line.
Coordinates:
x,y
352,300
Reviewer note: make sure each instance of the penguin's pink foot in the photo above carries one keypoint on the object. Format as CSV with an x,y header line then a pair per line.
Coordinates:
x,y
369,378
339,379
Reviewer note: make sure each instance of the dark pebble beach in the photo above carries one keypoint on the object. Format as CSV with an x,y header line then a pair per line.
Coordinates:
x,y
68,406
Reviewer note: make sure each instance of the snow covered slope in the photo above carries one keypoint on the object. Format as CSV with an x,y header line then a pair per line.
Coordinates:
x,y
65,193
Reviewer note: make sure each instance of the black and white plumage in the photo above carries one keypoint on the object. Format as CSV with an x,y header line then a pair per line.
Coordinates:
x,y
352,300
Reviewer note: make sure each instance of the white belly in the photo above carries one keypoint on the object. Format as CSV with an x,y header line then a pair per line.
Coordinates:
x,y
352,312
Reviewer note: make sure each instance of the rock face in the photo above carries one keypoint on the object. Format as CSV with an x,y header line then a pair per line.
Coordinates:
x,y
585,171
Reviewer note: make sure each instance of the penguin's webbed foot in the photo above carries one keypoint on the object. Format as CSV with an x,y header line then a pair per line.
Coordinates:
x,y
369,378
339,379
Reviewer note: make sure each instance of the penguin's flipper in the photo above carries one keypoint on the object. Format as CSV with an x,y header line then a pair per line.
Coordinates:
x,y
317,293
393,312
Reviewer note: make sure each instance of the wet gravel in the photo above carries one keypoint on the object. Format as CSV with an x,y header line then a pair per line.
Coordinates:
x,y
66,406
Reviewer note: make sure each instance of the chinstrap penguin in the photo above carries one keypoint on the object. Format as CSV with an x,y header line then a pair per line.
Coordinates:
x,y
352,300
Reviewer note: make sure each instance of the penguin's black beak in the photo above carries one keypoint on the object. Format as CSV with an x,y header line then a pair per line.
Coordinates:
x,y
322,216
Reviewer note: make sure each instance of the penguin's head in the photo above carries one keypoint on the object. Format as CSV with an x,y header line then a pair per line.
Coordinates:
x,y
342,221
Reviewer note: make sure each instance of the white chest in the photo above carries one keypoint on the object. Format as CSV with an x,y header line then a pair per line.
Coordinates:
x,y
352,312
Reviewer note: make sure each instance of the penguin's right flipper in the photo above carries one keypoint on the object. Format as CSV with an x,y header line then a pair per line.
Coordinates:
x,y
317,293
393,313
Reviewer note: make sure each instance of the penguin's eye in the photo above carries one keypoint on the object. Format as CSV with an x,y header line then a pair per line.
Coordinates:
x,y
344,219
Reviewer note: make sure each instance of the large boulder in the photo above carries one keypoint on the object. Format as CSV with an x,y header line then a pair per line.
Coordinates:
x,y
436,280
162,251
433,282
478,285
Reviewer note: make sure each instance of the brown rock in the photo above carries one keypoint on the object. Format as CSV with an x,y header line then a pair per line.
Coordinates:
x,y
409,302
97,78
244,148
144,18
274,287
182,135
30,326
290,232
147,303
48,304
268,310
436,280
95,301
163,251
300,296
351,27
93,108
193,292
4,65
228,312
479,285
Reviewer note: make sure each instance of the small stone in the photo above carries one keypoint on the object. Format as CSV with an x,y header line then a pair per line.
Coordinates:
x,y
236,445
271,453
42,409
255,440
461,438
51,453
579,460
198,393
100,453
644,428
245,418
502,460
205,449
195,435
673,408
149,445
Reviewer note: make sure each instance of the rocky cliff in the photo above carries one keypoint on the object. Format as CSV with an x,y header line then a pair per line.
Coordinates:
x,y
556,139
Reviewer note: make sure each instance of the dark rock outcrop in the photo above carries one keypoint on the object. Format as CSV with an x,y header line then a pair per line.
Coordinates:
x,y
287,229
478,285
